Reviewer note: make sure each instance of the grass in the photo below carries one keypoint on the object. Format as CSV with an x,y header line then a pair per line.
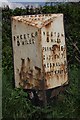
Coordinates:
x,y
17,105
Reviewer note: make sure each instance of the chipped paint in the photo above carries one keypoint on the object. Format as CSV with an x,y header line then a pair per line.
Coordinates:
x,y
39,51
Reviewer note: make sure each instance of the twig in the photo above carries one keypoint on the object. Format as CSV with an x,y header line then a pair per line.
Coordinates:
x,y
74,44
77,59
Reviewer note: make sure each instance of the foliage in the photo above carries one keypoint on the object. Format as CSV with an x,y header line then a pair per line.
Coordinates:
x,y
15,101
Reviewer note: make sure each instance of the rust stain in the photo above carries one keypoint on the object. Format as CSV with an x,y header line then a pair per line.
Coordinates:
x,y
56,47
48,25
32,76
34,20
26,75
57,77
62,67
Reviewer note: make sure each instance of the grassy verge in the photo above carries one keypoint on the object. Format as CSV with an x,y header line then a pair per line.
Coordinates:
x,y
17,105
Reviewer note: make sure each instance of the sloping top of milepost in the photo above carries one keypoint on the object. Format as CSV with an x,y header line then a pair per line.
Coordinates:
x,y
38,21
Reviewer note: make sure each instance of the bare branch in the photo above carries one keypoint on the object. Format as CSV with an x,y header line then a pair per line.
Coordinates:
x,y
74,44
77,59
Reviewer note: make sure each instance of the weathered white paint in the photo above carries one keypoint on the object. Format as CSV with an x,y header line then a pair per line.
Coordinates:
x,y
32,24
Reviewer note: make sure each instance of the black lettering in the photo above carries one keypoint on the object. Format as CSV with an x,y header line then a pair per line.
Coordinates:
x,y
51,40
24,36
33,41
48,65
29,41
35,33
26,42
51,34
17,36
47,33
22,42
20,36
47,39
43,33
14,38
18,43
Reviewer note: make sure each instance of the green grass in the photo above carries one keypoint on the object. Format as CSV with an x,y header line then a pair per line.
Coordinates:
x,y
15,102
17,105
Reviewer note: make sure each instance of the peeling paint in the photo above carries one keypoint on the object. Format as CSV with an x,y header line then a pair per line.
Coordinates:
x,y
39,51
